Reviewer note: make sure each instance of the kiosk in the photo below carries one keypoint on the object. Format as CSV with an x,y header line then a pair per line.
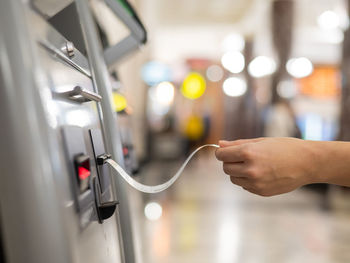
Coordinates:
x,y
57,203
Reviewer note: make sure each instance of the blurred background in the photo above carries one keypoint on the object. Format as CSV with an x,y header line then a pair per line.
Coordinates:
x,y
231,69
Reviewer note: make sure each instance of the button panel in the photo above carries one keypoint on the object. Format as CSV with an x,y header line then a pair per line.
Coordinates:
x,y
81,173
82,170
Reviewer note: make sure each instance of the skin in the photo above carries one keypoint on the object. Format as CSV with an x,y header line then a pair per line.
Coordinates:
x,y
272,166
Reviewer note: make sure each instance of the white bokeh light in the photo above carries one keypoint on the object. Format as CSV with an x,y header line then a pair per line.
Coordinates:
x,y
335,36
165,93
160,98
299,67
214,73
233,61
233,42
234,87
153,211
328,20
158,109
261,66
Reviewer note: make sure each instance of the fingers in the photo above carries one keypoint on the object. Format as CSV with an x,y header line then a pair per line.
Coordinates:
x,y
223,143
234,169
235,151
234,154
250,190
243,182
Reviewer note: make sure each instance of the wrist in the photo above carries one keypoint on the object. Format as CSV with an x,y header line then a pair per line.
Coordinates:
x,y
324,161
314,162
332,162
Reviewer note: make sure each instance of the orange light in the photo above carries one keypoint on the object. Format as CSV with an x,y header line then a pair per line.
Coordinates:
x,y
324,82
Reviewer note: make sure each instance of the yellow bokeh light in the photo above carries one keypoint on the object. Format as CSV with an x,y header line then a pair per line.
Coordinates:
x,y
119,102
193,86
194,128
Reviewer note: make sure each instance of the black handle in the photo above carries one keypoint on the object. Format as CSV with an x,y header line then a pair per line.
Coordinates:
x,y
106,210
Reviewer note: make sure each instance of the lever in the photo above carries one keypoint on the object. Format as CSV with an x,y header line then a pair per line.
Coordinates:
x,y
79,94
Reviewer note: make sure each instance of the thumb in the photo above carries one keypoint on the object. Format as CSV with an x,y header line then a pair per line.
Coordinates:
x,y
223,143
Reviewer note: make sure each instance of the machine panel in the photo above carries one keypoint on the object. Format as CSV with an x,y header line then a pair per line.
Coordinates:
x,y
73,111
79,166
58,201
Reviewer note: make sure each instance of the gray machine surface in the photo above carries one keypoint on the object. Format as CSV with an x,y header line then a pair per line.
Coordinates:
x,y
136,38
57,204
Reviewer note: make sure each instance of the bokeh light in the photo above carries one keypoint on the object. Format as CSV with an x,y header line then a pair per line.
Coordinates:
x,y
119,102
261,66
158,109
335,36
164,92
161,97
233,42
299,67
214,73
234,87
193,86
233,61
153,211
155,72
328,20
194,128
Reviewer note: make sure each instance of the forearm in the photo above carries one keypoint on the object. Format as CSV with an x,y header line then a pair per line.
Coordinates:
x,y
329,162
271,166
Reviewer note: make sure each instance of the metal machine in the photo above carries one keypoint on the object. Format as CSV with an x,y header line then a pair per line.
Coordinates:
x,y
58,202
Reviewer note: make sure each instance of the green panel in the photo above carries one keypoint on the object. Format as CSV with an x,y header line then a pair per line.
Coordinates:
x,y
126,6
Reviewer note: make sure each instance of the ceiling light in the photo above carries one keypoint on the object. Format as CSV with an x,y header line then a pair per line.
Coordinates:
x,y
233,42
299,67
261,66
233,61
234,87
328,20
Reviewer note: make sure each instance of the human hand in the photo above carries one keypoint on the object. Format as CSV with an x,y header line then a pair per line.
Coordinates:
x,y
267,166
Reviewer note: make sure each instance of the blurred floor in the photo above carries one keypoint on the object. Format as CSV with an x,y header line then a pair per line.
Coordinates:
x,y
207,219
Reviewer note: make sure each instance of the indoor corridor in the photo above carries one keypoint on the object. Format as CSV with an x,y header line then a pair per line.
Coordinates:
x,y
206,219
95,94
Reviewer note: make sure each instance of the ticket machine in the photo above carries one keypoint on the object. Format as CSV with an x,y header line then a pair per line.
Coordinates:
x,y
58,202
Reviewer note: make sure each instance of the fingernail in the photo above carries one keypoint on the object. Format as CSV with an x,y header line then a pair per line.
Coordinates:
x,y
222,142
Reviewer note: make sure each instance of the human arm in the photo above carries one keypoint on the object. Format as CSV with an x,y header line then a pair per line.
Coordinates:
x,y
271,166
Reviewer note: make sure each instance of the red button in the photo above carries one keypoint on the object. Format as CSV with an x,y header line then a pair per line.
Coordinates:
x,y
125,151
83,173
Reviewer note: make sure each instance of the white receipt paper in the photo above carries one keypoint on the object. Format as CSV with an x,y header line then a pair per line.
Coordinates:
x,y
156,188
